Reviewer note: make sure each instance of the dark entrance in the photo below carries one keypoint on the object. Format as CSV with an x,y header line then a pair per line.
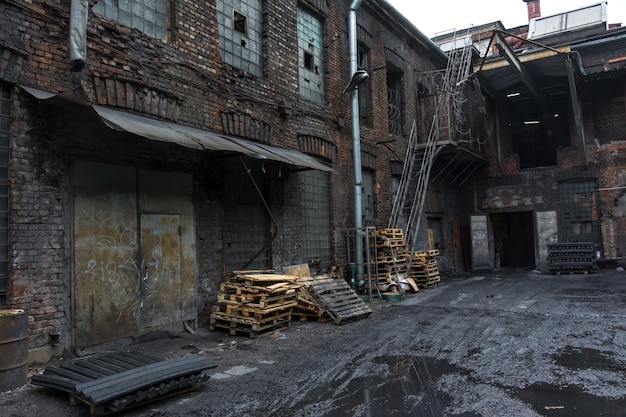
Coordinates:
x,y
514,239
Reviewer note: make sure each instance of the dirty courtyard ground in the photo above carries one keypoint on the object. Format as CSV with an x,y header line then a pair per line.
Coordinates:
x,y
503,343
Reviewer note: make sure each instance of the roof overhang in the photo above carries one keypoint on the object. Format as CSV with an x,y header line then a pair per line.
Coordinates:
x,y
181,135
531,68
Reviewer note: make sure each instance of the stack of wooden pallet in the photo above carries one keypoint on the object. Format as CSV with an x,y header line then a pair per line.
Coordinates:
x,y
424,269
570,258
255,303
389,262
258,303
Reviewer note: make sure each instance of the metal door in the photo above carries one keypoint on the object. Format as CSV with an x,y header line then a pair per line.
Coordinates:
x,y
481,239
160,270
105,278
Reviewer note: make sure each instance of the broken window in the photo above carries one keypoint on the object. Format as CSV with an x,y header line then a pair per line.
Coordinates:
x,y
5,132
240,26
147,16
316,224
240,22
310,58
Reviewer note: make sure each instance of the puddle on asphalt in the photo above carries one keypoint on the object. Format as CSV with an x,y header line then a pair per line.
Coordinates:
x,y
409,388
583,358
555,401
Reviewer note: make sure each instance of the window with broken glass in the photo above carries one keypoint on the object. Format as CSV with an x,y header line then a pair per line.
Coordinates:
x,y
5,134
316,222
147,16
580,219
240,24
310,57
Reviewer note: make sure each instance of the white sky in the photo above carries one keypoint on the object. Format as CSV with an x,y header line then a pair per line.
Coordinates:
x,y
436,16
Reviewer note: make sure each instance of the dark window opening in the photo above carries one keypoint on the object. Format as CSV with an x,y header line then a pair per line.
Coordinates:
x,y
308,61
240,23
537,135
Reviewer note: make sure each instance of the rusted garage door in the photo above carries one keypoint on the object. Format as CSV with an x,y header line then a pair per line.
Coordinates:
x,y
134,252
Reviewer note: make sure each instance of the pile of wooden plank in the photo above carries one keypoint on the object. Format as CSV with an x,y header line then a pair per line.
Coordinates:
x,y
255,303
259,303
571,258
424,270
389,262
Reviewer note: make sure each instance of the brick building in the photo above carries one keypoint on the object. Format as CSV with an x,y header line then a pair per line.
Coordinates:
x,y
555,127
150,148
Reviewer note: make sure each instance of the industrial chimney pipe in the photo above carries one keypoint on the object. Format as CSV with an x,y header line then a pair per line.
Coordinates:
x,y
534,9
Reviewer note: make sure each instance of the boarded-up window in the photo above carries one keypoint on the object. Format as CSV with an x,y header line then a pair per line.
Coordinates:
x,y
316,217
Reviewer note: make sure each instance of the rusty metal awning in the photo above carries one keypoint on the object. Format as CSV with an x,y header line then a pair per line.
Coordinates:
x,y
186,136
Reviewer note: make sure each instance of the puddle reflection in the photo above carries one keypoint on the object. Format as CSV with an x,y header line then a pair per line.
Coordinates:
x,y
407,386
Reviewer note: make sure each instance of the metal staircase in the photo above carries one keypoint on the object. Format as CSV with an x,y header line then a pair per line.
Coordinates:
x,y
446,125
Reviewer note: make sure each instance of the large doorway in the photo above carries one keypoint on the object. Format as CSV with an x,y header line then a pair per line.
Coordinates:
x,y
134,252
514,242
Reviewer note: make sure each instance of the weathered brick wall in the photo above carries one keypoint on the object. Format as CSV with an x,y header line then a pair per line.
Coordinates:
x,y
39,231
184,81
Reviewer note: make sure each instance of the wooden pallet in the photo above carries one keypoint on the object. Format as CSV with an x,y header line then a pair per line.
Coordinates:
x,y
252,326
337,299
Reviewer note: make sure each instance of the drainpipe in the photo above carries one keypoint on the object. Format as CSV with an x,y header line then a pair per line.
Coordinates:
x,y
356,146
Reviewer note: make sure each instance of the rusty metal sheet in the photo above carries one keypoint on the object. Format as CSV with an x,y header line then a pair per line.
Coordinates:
x,y
134,251
171,193
105,276
160,270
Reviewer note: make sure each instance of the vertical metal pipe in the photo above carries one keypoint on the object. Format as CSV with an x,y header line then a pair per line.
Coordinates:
x,y
356,145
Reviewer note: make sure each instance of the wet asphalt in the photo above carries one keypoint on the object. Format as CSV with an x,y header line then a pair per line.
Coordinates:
x,y
495,343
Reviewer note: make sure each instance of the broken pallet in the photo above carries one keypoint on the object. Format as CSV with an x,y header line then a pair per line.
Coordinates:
x,y
338,299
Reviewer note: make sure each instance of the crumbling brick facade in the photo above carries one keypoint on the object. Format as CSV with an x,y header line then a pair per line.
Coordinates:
x,y
182,80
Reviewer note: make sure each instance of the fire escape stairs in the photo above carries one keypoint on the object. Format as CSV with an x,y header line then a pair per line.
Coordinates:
x,y
409,200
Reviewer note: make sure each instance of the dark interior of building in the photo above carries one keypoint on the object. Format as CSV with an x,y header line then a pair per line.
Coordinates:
x,y
514,239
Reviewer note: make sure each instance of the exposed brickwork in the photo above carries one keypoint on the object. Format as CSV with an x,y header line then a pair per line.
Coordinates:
x,y
183,80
